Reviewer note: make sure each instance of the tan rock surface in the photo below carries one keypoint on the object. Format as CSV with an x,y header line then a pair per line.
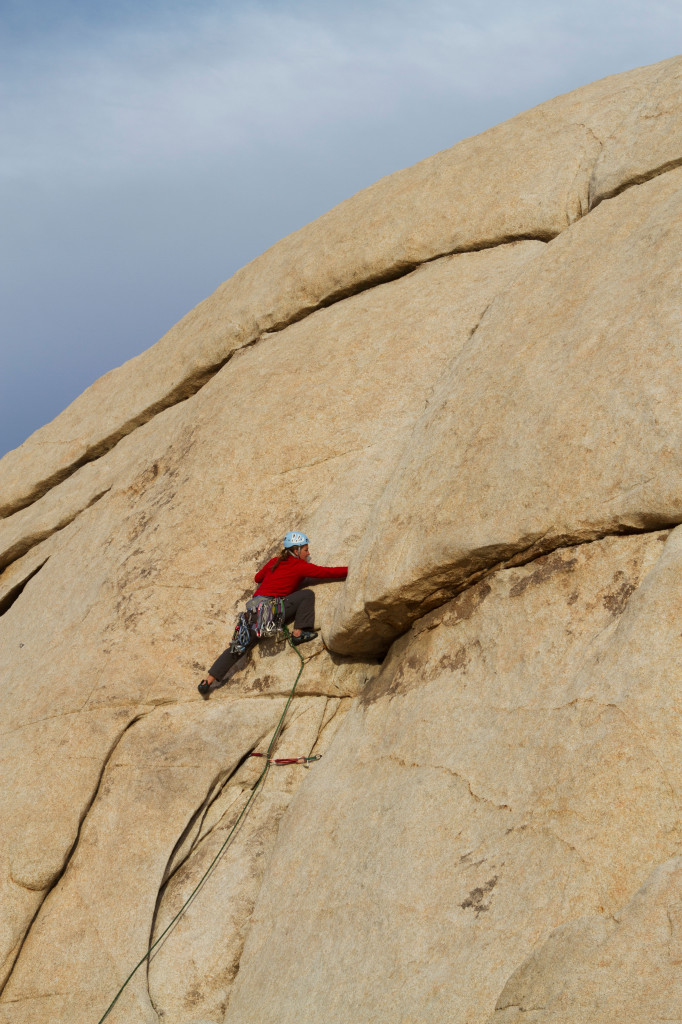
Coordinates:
x,y
139,592
96,924
597,971
529,177
194,969
648,139
480,795
561,419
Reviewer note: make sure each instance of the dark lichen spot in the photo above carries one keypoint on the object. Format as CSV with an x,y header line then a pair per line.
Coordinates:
x,y
469,600
262,683
573,598
193,996
545,567
455,661
475,899
458,661
616,602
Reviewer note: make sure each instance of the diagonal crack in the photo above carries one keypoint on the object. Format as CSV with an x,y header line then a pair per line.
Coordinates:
x,y
538,549
637,179
448,771
69,856
403,269
190,387
331,722
338,455
215,790
30,540
15,592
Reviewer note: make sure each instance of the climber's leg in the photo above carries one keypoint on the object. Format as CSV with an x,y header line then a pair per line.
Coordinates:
x,y
300,606
222,665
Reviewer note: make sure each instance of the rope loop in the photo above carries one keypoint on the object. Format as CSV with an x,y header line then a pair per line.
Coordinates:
x,y
270,760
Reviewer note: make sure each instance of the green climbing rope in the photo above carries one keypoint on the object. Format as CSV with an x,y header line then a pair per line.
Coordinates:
x,y
259,782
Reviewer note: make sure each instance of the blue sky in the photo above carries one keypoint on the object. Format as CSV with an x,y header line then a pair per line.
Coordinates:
x,y
149,149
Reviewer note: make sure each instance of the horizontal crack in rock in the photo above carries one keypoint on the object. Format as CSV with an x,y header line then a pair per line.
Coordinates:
x,y
444,593
190,387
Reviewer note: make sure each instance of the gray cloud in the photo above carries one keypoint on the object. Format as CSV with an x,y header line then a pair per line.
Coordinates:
x,y
218,79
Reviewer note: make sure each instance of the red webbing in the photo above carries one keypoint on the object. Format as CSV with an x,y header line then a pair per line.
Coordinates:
x,y
283,760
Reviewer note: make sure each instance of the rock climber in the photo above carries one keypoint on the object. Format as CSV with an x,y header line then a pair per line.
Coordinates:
x,y
282,577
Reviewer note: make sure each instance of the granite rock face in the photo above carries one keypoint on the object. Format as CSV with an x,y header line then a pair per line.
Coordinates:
x,y
579,359
497,779
463,382
593,969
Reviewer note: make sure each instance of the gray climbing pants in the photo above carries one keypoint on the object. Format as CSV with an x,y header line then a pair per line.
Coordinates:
x,y
299,607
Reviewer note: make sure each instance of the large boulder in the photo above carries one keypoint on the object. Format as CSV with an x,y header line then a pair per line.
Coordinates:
x,y
461,381
137,592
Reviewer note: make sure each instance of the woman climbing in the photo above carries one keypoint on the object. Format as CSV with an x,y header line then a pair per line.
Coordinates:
x,y
281,577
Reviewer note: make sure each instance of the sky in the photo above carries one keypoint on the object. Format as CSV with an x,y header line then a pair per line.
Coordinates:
x,y
148,149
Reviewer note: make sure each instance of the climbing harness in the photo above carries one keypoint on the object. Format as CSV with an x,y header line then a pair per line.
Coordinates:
x,y
262,620
259,782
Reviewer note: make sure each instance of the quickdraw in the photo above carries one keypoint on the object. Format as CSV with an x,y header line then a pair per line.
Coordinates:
x,y
242,635
269,618
287,760
263,622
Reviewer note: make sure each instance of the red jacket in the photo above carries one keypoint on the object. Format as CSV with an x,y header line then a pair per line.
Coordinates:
x,y
289,575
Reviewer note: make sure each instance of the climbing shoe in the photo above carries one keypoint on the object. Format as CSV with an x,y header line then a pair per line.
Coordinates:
x,y
204,687
306,635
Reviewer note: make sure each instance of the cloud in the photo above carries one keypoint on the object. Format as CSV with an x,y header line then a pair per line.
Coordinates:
x,y
206,82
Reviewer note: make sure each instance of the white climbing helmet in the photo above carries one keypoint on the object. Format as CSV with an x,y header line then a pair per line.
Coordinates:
x,y
295,540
